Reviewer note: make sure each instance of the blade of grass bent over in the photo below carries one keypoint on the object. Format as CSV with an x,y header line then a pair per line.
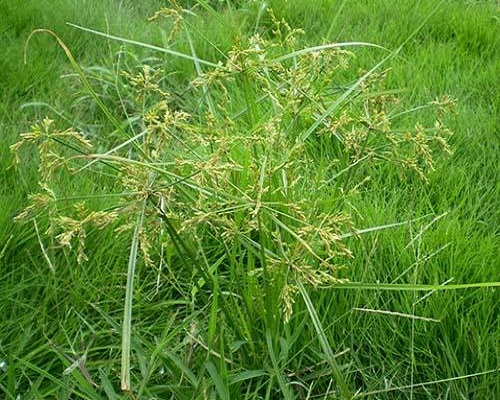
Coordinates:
x,y
145,45
323,47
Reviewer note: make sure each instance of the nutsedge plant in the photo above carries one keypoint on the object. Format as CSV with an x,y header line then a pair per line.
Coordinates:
x,y
240,185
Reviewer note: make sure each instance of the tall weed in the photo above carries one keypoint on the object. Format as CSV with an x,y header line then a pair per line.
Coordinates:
x,y
240,179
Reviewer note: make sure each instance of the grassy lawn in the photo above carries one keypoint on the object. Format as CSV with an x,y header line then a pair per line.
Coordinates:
x,y
219,203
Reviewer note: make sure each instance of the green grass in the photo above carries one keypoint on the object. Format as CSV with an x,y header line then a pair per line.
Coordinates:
x,y
207,321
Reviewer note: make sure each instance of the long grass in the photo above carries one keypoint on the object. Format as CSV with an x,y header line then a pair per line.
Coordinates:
x,y
205,310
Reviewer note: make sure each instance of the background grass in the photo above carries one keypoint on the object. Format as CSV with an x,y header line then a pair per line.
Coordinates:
x,y
48,317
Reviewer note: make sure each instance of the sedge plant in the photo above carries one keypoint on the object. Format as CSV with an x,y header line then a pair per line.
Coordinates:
x,y
235,187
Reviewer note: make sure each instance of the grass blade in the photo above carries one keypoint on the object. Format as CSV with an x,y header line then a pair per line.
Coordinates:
x,y
413,287
220,386
396,314
127,312
423,384
339,378
285,390
145,45
324,47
